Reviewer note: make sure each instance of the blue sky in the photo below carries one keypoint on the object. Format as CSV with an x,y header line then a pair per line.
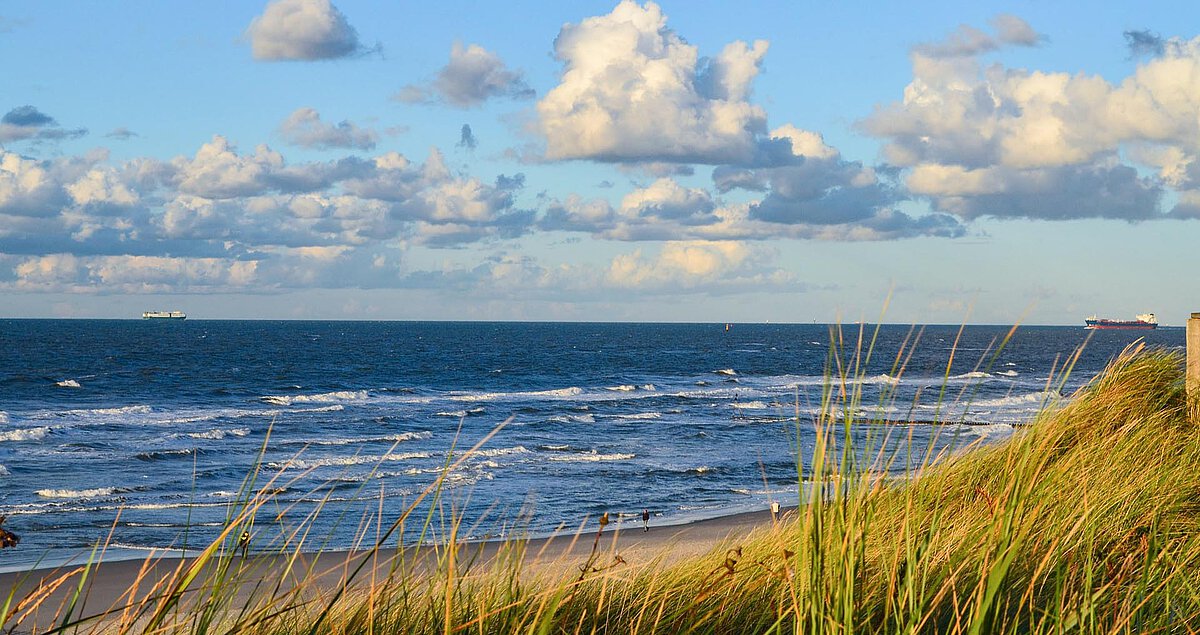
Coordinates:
x,y
681,161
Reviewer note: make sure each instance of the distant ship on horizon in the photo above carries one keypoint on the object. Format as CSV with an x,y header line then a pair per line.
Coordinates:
x,y
1142,322
164,315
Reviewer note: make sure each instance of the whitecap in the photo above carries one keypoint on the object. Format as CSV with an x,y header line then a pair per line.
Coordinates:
x,y
975,374
304,464
584,418
1018,400
3,417
1008,373
748,405
24,434
622,388
388,438
67,383
725,371
123,410
519,449
220,434
3,471
325,397
557,393
639,416
460,413
590,457
79,493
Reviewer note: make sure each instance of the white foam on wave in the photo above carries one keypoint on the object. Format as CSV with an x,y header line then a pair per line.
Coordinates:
x,y
24,434
122,410
726,371
987,430
748,405
1008,373
325,397
518,449
3,471
3,417
220,434
67,383
336,461
975,374
388,438
637,416
460,413
591,457
631,388
96,492
1032,398
557,393
584,418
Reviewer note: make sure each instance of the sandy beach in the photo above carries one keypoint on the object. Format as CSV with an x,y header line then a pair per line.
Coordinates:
x,y
112,585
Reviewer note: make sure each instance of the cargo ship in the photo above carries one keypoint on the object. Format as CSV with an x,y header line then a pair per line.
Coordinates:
x,y
163,315
1143,322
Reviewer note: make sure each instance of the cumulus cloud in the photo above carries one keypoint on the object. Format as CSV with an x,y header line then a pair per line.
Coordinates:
x,y
688,265
302,30
633,90
992,141
968,41
304,128
472,76
26,122
121,134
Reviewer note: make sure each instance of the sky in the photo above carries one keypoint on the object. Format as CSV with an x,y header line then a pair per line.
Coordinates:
x,y
930,162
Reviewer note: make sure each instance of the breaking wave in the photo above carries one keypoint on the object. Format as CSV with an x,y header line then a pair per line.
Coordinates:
x,y
726,371
325,397
557,393
67,383
590,457
335,461
26,434
478,410
80,493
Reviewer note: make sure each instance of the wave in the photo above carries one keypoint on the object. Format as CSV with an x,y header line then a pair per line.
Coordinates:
x,y
388,438
3,417
1019,400
631,388
80,493
591,457
637,416
726,371
1008,373
975,374
557,393
158,455
220,434
3,471
987,430
519,449
67,383
122,410
325,397
478,410
25,434
554,448
584,418
340,461
748,405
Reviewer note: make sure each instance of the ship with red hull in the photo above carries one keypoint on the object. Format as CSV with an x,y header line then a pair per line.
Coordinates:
x,y
1143,322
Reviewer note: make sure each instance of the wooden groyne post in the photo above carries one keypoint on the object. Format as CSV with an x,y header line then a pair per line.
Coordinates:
x,y
1193,359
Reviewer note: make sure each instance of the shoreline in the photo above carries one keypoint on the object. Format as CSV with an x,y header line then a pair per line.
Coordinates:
x,y
110,582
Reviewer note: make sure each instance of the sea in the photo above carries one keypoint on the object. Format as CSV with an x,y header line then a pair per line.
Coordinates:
x,y
140,435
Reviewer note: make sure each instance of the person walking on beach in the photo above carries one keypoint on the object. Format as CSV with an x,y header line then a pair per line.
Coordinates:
x,y
645,520
774,510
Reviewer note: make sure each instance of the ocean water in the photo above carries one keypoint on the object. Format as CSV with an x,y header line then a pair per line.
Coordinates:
x,y
142,428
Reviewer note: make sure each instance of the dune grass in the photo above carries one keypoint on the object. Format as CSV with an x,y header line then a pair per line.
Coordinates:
x,y
1085,521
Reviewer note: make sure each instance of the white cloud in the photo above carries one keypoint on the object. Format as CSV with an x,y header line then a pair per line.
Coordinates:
x,y
634,90
991,141
967,41
685,265
302,30
304,128
472,76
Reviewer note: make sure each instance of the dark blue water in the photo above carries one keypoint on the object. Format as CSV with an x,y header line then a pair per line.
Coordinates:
x,y
144,427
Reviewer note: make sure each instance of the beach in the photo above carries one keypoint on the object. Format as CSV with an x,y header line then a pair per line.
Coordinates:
x,y
112,585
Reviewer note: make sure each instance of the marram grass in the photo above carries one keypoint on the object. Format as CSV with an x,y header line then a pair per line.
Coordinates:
x,y
1085,521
